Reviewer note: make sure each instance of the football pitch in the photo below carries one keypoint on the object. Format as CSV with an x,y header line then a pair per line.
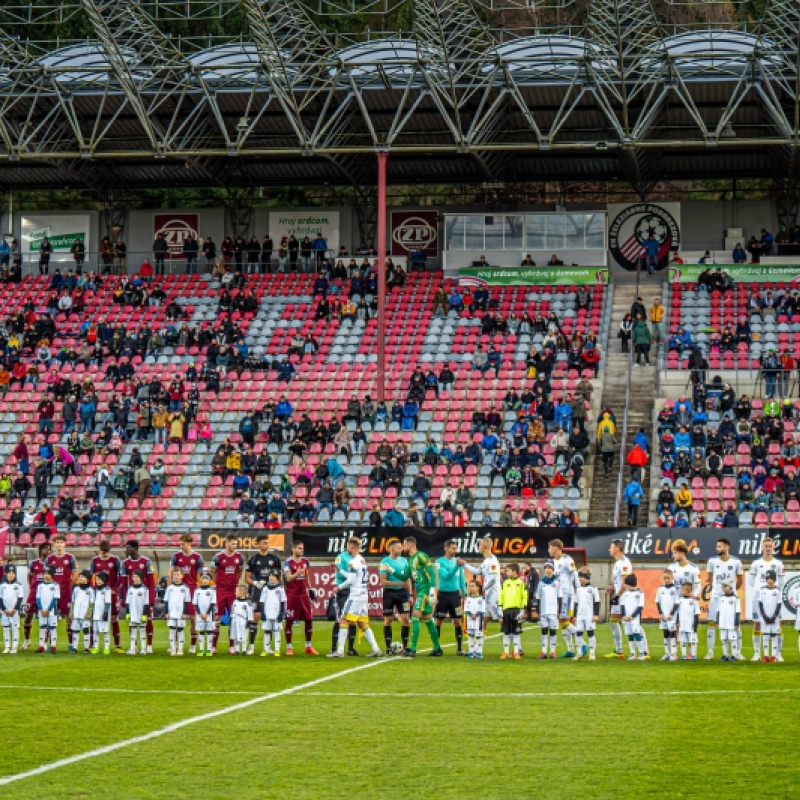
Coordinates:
x,y
79,726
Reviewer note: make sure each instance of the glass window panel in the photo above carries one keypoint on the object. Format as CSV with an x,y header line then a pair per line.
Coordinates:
x,y
596,231
513,232
575,226
474,233
494,232
534,231
454,233
556,228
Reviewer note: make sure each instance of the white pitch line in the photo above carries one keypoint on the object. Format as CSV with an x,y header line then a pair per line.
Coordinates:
x,y
175,726
500,695
113,690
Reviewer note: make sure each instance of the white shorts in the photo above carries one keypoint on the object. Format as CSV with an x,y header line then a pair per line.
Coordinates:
x,y
12,621
78,625
549,621
585,625
632,628
204,625
492,604
474,626
356,608
270,625
101,627
727,634
49,621
176,622
667,625
565,607
771,629
238,629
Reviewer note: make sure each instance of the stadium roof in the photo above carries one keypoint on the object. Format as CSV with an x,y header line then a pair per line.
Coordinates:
x,y
451,100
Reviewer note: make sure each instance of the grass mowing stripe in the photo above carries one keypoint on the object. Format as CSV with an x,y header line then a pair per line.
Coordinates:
x,y
466,695
119,691
175,726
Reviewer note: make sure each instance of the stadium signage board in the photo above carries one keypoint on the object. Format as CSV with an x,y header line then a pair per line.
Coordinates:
x,y
177,227
775,273
630,225
248,539
532,276
412,230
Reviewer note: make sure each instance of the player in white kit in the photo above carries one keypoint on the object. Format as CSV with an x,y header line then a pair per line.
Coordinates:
x,y
721,568
102,606
241,617
273,611
770,598
632,606
489,571
727,619
667,603
549,604
474,610
11,598
205,607
684,570
622,567
177,599
356,609
794,602
567,577
587,612
137,603
688,616
79,613
756,578
48,594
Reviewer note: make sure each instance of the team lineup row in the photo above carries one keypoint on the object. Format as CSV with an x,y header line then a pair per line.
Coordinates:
x,y
416,590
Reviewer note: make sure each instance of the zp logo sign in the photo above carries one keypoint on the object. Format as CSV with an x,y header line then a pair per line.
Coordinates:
x,y
631,225
415,230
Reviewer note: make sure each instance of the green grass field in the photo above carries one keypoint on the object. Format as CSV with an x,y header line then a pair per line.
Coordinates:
x,y
440,728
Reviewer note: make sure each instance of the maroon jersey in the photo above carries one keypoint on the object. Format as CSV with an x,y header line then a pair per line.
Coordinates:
x,y
189,565
64,567
229,570
299,586
35,572
111,565
145,566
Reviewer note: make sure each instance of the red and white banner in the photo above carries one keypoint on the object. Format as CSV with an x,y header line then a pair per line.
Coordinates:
x,y
412,230
176,227
322,580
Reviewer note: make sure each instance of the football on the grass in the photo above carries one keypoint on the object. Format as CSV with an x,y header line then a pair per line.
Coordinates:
x,y
396,648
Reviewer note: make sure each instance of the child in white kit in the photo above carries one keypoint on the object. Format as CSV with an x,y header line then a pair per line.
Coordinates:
x,y
80,612
667,602
728,621
11,597
241,616
102,602
137,602
631,606
273,612
48,594
688,615
177,600
769,608
205,607
475,610
587,612
549,605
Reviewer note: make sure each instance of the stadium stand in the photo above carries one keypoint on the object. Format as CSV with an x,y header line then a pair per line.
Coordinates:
x,y
245,384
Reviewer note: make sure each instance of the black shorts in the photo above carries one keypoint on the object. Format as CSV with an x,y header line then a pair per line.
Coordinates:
x,y
448,605
512,625
396,600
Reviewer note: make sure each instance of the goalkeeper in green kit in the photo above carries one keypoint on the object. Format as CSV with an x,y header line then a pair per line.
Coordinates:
x,y
426,588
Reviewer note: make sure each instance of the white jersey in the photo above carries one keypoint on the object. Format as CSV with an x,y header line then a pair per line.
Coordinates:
x,y
621,569
631,601
81,600
688,610
666,598
204,600
137,600
11,596
720,571
47,596
357,579
474,606
489,570
587,600
176,598
101,604
759,568
794,601
548,597
273,598
728,612
566,575
770,601
689,572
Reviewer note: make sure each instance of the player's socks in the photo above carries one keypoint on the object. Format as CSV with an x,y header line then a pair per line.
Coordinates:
x,y
415,629
592,643
116,632
711,638
335,636
725,648
506,642
193,638
765,639
53,638
757,645
370,637
644,640
181,640
340,643
352,630
616,632
276,640
149,630
28,624
459,637
309,631
516,643
778,646
287,632
252,632
544,641
431,626
387,635
553,642
404,632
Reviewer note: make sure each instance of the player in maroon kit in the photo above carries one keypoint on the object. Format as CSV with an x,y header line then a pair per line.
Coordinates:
x,y
65,574
134,562
35,571
106,562
190,565
226,568
298,597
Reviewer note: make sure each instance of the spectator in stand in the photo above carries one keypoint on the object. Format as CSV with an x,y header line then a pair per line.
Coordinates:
x,y
394,518
641,340
418,260
656,318
739,254
766,241
633,497
650,249
608,446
